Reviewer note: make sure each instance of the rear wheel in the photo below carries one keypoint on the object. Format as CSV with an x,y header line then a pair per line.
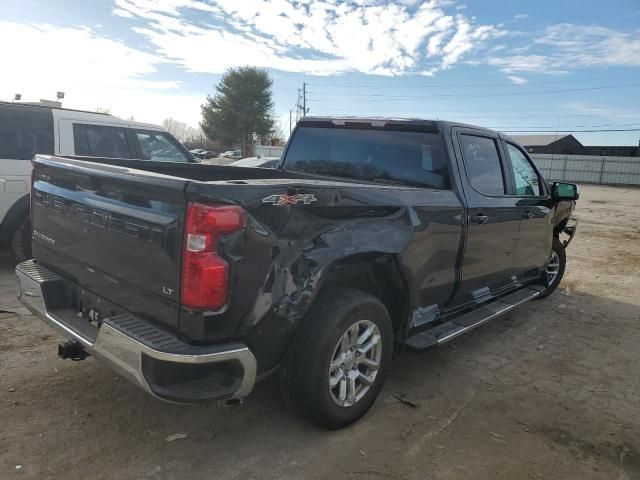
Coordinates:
x,y
337,363
21,240
554,270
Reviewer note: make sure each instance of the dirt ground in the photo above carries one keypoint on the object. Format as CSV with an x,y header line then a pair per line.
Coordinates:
x,y
551,391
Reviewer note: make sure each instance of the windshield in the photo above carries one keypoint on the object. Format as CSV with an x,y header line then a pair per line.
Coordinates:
x,y
385,156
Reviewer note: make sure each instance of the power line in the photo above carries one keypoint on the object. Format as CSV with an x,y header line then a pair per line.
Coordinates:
x,y
475,84
478,95
525,112
497,116
573,131
568,126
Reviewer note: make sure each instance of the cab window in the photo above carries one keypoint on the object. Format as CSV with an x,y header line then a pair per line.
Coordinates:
x,y
413,158
527,181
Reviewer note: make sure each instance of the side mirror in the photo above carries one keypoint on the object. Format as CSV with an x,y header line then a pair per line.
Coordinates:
x,y
565,191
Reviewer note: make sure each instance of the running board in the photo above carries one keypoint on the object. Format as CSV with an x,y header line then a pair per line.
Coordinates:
x,y
464,323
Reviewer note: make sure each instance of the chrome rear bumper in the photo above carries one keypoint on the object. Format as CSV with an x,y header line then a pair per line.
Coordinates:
x,y
154,359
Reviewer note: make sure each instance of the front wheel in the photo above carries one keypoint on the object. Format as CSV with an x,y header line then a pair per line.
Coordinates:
x,y
554,269
337,363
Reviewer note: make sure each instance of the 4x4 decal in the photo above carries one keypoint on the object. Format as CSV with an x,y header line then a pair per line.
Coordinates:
x,y
279,200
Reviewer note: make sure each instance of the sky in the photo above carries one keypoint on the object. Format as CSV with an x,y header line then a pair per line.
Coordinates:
x,y
516,66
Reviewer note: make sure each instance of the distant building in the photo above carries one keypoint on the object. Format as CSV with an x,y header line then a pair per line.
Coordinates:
x,y
562,144
615,151
569,145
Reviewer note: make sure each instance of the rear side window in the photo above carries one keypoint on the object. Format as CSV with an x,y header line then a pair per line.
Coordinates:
x,y
25,131
100,141
158,147
405,157
482,162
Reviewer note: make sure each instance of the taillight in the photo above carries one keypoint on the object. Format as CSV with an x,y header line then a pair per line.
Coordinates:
x,y
205,274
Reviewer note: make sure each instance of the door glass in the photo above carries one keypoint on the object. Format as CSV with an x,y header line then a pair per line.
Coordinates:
x,y
157,147
526,178
482,162
100,141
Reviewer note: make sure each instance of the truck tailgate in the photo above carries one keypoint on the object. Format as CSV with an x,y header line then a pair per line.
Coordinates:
x,y
116,231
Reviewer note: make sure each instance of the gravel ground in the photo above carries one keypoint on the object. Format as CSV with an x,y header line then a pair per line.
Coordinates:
x,y
551,390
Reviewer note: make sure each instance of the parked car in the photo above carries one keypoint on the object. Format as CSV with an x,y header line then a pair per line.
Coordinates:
x,y
262,162
373,235
233,154
28,129
203,154
207,154
268,150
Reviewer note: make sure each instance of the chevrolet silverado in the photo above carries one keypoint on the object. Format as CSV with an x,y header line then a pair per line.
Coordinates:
x,y
372,237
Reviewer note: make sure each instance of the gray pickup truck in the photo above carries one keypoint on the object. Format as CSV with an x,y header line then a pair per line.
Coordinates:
x,y
373,236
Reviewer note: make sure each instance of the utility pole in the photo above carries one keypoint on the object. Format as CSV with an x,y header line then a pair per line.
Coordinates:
x,y
298,105
290,113
304,99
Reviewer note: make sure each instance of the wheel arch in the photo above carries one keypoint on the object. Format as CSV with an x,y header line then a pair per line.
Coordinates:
x,y
375,273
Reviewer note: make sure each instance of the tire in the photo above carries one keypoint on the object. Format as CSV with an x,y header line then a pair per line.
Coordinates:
x,y
21,240
557,249
317,348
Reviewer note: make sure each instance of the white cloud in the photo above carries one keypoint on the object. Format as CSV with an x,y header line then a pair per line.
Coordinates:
x,y
318,37
517,80
521,16
93,71
565,47
119,12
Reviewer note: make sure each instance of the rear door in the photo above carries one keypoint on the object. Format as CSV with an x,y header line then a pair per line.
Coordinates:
x,y
534,205
493,220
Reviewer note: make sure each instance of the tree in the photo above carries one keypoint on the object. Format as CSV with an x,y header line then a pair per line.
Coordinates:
x,y
240,109
179,130
175,128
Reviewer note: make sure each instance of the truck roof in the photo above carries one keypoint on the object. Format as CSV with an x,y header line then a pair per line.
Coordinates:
x,y
51,107
74,114
381,121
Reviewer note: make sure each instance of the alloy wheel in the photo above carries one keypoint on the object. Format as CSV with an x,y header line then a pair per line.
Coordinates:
x,y
355,363
553,268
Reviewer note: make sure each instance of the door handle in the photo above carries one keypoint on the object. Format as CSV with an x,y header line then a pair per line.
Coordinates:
x,y
480,219
527,215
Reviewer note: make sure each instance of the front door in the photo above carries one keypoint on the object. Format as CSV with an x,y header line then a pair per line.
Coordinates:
x,y
493,221
536,218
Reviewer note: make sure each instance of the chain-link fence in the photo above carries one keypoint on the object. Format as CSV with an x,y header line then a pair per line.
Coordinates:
x,y
589,169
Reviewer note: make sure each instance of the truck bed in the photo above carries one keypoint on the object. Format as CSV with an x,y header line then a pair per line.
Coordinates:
x,y
117,230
